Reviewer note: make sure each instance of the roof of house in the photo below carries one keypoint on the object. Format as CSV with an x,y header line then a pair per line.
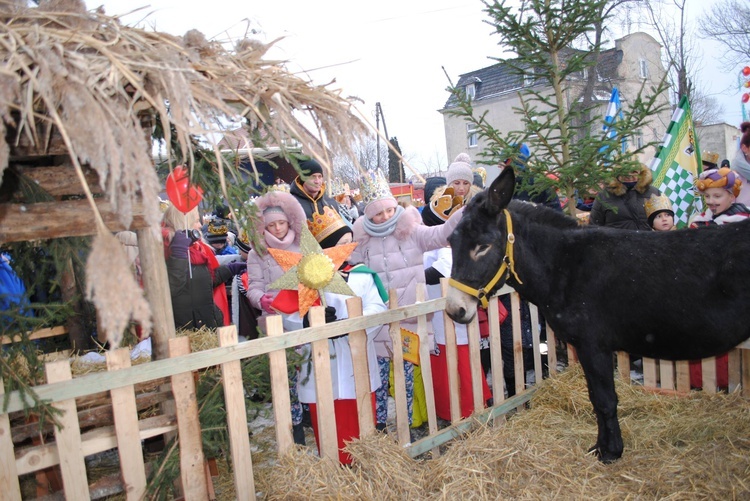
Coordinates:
x,y
501,78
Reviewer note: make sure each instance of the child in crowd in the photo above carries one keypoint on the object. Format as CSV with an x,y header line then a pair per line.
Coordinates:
x,y
720,188
280,223
244,316
437,265
392,242
660,213
330,230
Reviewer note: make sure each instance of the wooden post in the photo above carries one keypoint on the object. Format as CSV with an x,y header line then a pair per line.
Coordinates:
x,y
192,472
426,367
321,357
535,340
125,416
496,356
649,372
682,372
362,387
475,365
745,353
451,359
399,378
708,368
623,366
70,295
9,485
666,374
551,350
519,370
282,408
156,287
68,437
239,439
735,368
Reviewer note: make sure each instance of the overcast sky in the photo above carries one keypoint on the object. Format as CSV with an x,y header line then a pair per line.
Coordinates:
x,y
389,51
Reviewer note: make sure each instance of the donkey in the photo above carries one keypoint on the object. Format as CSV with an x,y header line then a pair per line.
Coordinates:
x,y
674,295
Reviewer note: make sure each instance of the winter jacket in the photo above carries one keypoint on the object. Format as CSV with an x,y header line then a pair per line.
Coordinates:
x,y
309,204
398,260
618,207
741,166
734,214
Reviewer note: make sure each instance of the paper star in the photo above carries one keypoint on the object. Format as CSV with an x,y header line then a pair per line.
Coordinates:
x,y
312,271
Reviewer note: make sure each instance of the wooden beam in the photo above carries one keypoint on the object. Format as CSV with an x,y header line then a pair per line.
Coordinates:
x,y
60,180
69,218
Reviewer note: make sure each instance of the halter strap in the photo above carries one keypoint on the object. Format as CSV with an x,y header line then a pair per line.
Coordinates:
x,y
505,269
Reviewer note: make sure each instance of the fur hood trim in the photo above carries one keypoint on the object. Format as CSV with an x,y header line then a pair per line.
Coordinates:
x,y
645,176
288,204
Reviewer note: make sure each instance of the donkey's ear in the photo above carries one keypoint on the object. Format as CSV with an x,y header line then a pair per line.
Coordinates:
x,y
500,192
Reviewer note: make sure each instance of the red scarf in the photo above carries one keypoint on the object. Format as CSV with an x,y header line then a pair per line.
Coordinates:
x,y
201,253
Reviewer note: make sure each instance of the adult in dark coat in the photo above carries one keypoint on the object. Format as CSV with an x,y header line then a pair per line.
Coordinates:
x,y
309,189
621,203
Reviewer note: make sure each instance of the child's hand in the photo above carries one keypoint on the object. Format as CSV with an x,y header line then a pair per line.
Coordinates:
x,y
265,303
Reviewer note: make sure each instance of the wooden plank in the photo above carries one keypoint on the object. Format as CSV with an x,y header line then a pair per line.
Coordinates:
x,y
735,369
156,288
451,359
535,340
649,372
682,375
9,484
282,408
623,366
239,438
59,180
68,437
708,368
745,355
194,484
38,334
399,378
475,365
31,459
362,387
496,356
518,368
99,382
321,357
551,351
126,428
667,374
68,218
426,367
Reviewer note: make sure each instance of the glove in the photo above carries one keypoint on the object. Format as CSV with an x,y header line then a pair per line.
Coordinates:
x,y
237,267
179,246
265,303
330,317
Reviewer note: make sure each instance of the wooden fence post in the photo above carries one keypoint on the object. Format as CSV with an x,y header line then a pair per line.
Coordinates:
x,y
426,367
399,378
9,484
496,356
518,368
321,358
192,461
451,359
358,346
239,438
125,416
282,408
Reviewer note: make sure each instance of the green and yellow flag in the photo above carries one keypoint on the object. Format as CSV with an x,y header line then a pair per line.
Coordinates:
x,y
678,163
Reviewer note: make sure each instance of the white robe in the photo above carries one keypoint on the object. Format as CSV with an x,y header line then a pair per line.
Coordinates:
x,y
442,260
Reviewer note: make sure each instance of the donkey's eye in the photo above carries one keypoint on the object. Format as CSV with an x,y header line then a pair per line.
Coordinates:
x,y
479,251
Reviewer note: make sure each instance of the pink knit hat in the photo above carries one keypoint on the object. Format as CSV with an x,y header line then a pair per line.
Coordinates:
x,y
460,169
274,213
373,208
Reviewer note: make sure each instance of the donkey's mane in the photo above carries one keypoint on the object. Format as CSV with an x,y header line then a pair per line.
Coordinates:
x,y
542,215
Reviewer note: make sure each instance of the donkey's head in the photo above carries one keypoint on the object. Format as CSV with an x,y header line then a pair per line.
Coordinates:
x,y
479,246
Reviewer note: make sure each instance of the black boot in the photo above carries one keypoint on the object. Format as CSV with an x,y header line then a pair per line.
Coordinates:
x,y
298,432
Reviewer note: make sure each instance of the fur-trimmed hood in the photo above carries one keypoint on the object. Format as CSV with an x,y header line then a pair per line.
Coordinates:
x,y
645,176
288,204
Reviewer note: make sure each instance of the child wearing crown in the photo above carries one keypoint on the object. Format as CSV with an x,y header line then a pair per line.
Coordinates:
x,y
660,213
392,242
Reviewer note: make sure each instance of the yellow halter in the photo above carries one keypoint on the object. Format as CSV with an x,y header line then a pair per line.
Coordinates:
x,y
507,267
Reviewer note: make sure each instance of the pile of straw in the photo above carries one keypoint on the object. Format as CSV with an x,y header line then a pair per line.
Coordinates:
x,y
681,447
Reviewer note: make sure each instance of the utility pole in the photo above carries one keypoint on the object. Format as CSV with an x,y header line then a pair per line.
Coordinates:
x,y
378,116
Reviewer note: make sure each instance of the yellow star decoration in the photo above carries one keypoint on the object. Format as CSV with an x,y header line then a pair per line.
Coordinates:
x,y
313,271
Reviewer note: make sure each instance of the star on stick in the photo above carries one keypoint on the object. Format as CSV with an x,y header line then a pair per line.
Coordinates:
x,y
312,271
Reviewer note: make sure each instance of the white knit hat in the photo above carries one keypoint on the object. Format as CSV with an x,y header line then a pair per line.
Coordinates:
x,y
460,169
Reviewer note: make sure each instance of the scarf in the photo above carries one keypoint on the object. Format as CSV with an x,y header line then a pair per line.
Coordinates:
x,y
282,244
383,229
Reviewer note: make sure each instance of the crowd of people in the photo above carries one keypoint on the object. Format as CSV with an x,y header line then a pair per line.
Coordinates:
x,y
217,277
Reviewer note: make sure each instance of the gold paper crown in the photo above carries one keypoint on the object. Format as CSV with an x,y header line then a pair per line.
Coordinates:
x,y
444,204
335,187
325,224
482,173
656,203
243,240
278,187
216,228
710,156
374,186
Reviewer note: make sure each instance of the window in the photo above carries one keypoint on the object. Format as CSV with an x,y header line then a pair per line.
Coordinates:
x,y
471,132
643,67
638,139
471,91
529,78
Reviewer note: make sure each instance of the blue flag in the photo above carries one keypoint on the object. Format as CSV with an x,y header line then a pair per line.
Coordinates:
x,y
614,111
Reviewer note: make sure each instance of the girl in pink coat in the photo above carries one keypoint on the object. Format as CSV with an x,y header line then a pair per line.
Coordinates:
x,y
392,241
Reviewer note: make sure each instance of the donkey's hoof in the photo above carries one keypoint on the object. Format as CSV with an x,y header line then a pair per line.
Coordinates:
x,y
604,456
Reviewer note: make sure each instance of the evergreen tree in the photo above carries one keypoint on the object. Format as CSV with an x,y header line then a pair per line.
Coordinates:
x,y
569,151
395,166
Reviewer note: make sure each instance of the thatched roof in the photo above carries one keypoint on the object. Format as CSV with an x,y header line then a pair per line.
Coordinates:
x,y
91,79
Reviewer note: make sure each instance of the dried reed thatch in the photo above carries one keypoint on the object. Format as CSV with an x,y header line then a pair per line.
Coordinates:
x,y
694,447
91,79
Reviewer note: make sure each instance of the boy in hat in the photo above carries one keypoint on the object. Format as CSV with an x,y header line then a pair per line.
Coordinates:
x,y
309,189
660,213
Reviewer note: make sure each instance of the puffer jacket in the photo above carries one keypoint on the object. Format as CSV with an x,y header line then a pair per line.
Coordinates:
x,y
262,268
618,207
398,260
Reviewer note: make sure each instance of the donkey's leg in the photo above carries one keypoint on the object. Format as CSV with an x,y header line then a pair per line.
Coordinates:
x,y
598,367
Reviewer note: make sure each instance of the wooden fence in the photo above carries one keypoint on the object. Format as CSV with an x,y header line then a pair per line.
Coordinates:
x,y
180,416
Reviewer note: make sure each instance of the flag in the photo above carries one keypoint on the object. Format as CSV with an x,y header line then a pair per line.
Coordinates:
x,y
614,111
678,163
